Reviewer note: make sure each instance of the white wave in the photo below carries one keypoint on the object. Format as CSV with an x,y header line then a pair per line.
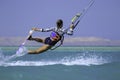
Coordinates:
x,y
86,60
65,61
20,52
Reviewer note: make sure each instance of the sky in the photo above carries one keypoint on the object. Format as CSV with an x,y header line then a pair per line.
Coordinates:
x,y
102,20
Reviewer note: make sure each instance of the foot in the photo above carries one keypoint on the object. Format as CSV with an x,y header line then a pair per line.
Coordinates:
x,y
30,37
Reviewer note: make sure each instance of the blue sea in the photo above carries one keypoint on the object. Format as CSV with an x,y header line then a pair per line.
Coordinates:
x,y
64,63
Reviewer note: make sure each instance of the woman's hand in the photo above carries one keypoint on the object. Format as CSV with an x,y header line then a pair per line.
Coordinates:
x,y
35,29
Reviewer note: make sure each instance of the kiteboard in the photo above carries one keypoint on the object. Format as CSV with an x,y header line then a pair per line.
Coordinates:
x,y
22,48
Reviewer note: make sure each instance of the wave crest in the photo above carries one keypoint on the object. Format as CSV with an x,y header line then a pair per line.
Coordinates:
x,y
68,61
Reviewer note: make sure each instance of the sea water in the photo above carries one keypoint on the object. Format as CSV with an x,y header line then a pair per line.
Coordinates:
x,y
64,63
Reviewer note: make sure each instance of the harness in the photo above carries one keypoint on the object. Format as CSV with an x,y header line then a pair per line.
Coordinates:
x,y
61,42
58,38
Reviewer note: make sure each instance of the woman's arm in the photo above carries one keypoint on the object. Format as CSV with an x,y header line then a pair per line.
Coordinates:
x,y
70,30
43,30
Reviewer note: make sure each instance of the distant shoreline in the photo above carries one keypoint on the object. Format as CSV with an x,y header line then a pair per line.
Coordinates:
x,y
73,41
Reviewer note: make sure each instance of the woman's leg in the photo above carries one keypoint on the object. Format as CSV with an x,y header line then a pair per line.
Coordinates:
x,y
36,39
40,50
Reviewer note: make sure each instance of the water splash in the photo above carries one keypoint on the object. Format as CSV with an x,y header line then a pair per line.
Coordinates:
x,y
86,58
20,52
68,61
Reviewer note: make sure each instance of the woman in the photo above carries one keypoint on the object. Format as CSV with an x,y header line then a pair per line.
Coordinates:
x,y
55,36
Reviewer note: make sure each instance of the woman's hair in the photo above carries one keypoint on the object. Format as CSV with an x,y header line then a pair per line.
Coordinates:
x,y
59,23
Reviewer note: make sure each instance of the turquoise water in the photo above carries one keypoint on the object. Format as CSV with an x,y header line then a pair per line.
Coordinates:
x,y
64,63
